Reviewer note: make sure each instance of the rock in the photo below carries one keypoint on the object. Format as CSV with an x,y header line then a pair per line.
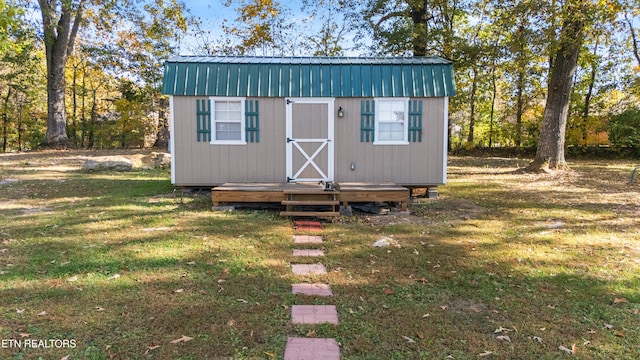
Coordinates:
x,y
155,160
384,242
108,163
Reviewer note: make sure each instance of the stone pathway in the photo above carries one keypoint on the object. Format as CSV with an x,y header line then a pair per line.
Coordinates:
x,y
311,348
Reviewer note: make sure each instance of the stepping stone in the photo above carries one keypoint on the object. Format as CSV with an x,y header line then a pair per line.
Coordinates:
x,y
314,314
311,289
307,225
307,239
308,252
308,269
311,349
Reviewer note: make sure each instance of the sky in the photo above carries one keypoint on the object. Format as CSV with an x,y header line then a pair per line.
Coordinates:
x,y
214,12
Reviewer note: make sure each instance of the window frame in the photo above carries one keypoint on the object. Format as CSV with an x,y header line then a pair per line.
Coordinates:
x,y
214,140
405,122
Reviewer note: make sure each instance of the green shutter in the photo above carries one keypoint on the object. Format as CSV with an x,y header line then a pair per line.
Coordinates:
x,y
367,121
203,120
252,121
415,121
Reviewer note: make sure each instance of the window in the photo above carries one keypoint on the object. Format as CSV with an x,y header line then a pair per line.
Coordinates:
x,y
228,121
391,121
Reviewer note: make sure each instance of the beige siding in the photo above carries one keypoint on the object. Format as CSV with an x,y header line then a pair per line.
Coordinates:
x,y
419,163
204,164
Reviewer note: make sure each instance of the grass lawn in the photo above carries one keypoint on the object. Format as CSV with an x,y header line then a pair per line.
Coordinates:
x,y
502,265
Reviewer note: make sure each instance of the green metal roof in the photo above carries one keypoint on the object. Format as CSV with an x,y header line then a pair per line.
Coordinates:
x,y
308,76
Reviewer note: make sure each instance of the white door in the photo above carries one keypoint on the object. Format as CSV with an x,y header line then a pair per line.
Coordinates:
x,y
309,139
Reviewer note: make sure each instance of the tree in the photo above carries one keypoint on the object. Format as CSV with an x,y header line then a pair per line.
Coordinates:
x,y
256,27
8,19
576,15
20,81
624,129
417,27
60,22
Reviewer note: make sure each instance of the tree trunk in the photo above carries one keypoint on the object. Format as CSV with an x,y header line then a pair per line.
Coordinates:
x,y
472,101
59,37
550,150
494,94
519,106
162,138
56,136
587,98
5,120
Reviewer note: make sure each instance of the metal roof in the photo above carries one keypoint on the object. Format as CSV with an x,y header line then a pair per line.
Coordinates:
x,y
308,76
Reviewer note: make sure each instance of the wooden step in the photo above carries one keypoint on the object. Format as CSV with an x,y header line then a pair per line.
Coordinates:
x,y
310,213
310,202
309,192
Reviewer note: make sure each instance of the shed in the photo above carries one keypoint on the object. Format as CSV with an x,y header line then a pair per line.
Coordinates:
x,y
295,120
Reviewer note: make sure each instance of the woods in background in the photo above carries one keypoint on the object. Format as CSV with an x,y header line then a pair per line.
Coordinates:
x,y
100,88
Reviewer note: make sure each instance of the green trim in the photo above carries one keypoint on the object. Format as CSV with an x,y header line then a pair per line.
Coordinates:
x,y
252,121
415,121
203,120
367,120
308,77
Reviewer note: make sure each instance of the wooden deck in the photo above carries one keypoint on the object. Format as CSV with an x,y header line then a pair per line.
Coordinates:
x,y
278,193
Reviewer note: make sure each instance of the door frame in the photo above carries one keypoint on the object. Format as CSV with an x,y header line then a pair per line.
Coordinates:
x,y
329,141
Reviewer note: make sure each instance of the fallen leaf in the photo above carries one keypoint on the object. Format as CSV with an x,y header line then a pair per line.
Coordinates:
x,y
536,338
416,252
420,335
183,339
444,307
311,333
178,291
608,326
20,311
114,276
24,335
269,354
486,353
242,301
42,313
591,331
426,315
388,291
422,280
567,350
98,308
65,358
151,348
3,250
502,329
620,301
619,333
503,338
191,263
409,340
